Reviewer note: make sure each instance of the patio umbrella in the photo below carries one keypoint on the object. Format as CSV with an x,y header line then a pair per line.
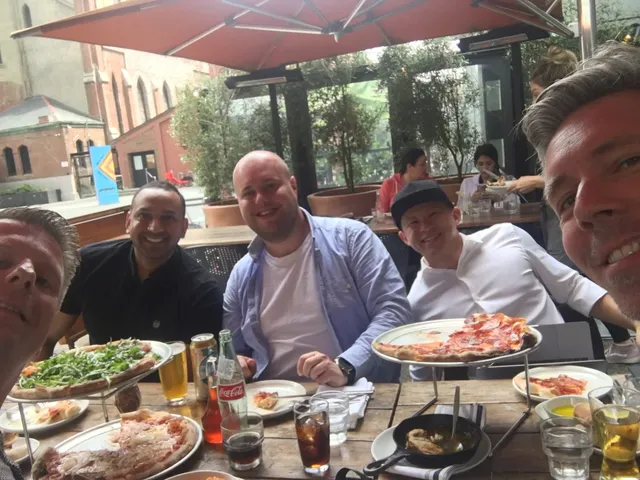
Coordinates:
x,y
251,35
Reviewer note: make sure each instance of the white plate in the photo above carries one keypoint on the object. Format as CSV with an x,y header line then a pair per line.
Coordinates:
x,y
98,438
384,446
203,475
159,348
10,420
594,378
419,333
283,387
20,442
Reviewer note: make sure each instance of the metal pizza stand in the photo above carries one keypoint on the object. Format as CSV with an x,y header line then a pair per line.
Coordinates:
x,y
424,332
160,348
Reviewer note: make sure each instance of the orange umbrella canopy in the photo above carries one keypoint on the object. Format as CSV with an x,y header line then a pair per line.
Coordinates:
x,y
256,34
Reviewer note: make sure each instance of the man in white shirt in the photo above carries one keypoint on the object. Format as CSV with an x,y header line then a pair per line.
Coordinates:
x,y
500,269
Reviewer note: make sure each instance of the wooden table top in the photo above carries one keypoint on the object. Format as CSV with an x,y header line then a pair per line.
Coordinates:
x,y
243,235
521,457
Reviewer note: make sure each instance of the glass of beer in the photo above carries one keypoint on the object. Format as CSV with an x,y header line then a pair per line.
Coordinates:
x,y
312,430
242,438
173,375
616,426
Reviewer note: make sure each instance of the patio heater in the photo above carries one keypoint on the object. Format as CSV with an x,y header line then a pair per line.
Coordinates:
x,y
270,77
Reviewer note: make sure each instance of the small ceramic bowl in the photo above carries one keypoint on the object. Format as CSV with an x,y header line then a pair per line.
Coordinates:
x,y
562,406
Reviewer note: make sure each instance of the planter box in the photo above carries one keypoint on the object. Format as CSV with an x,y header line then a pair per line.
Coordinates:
x,y
20,199
225,213
337,202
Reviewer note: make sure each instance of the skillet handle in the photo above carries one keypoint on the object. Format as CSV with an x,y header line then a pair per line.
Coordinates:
x,y
379,466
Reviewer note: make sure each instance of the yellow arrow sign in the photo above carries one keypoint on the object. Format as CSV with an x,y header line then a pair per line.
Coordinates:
x,y
107,166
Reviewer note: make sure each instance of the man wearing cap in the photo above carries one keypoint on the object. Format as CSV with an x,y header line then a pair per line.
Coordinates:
x,y
499,269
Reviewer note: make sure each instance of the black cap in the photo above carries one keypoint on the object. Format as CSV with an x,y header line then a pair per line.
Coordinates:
x,y
416,193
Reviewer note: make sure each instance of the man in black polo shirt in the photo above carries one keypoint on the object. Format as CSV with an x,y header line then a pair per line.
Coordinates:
x,y
146,287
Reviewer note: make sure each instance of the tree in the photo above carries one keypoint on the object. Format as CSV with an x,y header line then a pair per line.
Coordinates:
x,y
343,126
433,97
216,130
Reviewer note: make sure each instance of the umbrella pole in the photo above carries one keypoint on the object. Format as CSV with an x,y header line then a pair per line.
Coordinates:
x,y
275,120
587,27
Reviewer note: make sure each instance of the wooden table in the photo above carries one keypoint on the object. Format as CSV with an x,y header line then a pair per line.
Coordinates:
x,y
520,458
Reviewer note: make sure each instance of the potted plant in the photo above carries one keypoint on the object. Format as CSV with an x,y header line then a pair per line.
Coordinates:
x,y
343,127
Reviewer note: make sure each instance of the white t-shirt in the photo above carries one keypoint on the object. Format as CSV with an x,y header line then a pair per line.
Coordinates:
x,y
291,314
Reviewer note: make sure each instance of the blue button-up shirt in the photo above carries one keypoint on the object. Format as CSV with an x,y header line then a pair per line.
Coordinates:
x,y
360,290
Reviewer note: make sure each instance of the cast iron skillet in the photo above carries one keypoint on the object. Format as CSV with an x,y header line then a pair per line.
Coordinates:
x,y
427,422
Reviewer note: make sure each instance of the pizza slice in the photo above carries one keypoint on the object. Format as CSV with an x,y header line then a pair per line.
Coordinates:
x,y
265,400
553,386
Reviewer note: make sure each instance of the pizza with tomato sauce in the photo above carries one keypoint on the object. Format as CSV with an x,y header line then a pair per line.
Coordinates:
x,y
483,335
553,386
147,443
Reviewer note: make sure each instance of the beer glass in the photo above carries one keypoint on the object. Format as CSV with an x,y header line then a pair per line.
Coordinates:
x,y
312,430
173,375
242,438
616,425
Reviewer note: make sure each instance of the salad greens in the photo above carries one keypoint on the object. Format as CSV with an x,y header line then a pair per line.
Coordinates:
x,y
71,368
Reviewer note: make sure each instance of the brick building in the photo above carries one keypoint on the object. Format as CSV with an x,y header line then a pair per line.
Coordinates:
x,y
115,90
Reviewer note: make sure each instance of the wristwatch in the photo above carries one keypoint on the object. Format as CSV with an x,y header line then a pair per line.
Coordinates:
x,y
347,369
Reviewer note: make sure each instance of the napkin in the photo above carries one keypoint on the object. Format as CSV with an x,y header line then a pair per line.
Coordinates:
x,y
357,405
474,412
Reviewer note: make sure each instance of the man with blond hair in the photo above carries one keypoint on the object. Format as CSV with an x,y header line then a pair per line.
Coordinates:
x,y
586,132
313,292
38,259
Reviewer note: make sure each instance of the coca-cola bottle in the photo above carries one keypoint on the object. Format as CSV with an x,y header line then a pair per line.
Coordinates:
x,y
212,418
232,397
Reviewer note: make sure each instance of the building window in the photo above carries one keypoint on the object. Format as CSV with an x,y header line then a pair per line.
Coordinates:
x,y
24,158
26,16
10,161
143,101
79,146
116,99
166,91
90,143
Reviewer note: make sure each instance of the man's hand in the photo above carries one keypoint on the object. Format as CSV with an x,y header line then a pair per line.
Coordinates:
x,y
248,366
321,369
526,184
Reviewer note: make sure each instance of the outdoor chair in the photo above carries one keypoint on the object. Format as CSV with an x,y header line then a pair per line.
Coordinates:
x,y
218,260
402,256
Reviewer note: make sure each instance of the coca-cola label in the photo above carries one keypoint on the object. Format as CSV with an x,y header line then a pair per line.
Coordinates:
x,y
228,393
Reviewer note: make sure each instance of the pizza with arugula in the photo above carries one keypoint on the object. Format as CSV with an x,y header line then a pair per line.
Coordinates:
x,y
84,370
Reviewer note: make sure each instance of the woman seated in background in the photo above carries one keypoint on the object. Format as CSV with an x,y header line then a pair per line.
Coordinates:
x,y
414,167
485,160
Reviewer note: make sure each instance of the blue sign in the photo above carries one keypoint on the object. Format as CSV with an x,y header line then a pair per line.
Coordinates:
x,y
104,175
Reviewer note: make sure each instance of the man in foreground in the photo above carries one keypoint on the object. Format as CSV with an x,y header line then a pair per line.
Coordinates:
x,y
38,259
499,269
146,287
313,292
587,136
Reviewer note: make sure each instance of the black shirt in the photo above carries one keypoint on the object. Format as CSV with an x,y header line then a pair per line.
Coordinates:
x,y
177,301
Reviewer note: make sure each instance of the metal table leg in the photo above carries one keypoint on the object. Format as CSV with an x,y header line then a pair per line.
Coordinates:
x,y
104,409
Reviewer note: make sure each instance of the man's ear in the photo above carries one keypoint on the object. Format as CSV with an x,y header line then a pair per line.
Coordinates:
x,y
403,237
127,223
457,215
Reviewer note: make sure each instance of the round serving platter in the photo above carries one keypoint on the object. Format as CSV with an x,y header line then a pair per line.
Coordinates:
x,y
424,332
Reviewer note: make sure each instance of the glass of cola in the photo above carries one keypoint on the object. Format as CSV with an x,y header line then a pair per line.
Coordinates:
x,y
312,431
242,437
